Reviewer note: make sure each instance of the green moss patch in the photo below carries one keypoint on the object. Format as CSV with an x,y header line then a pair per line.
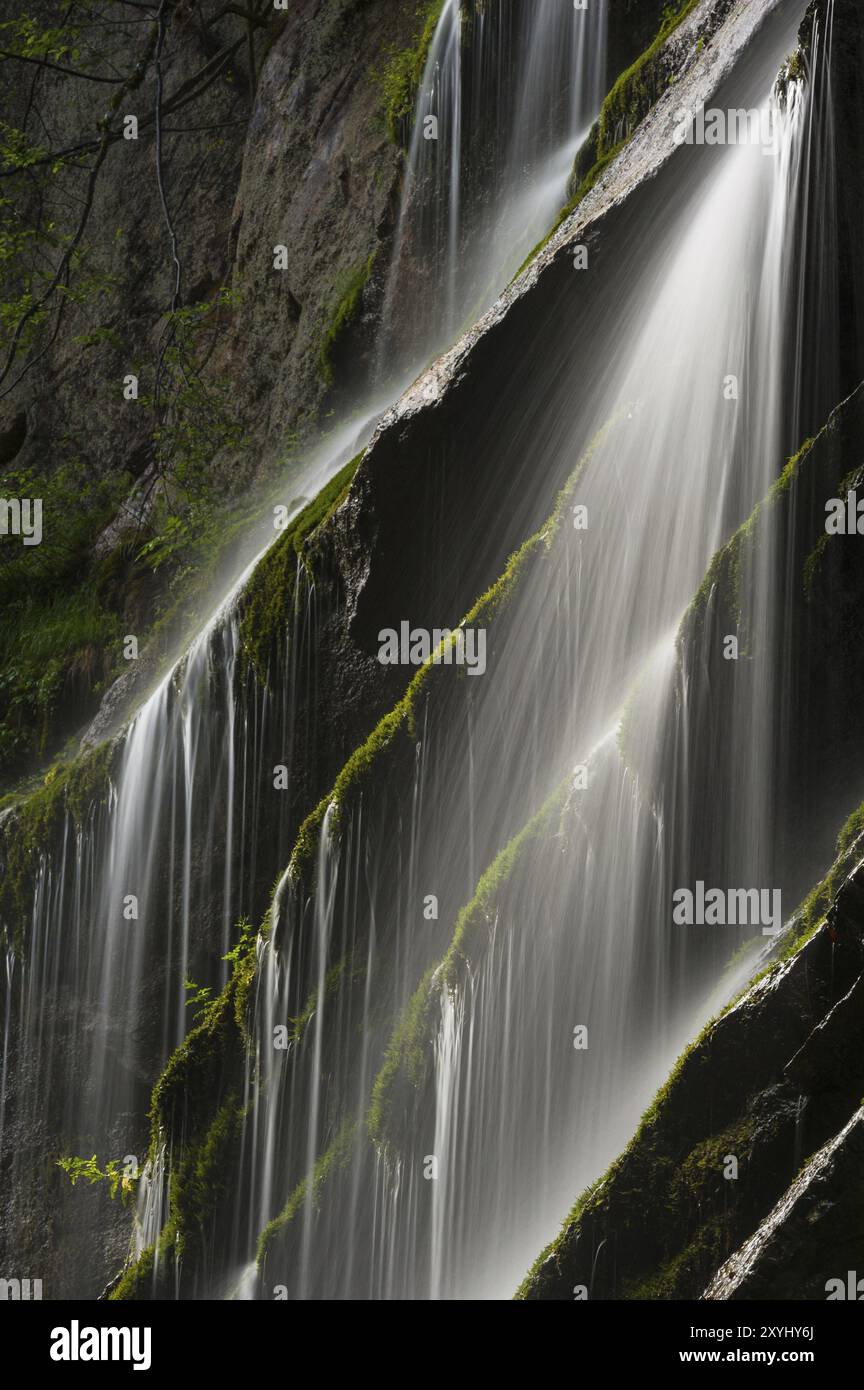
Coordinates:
x,y
267,603
397,729
197,1112
637,89
26,834
408,1057
724,577
336,1157
625,106
402,73
349,299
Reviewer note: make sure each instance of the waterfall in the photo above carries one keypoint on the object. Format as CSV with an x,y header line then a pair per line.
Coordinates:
x,y
507,96
481,1144
445,1085
138,905
140,901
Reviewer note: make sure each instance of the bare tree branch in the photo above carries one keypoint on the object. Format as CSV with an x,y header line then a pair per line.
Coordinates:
x,y
56,67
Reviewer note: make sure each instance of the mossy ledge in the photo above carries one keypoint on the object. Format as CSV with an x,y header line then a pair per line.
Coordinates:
x,y
729,1093
268,601
349,298
397,729
72,791
723,579
408,1058
196,1112
402,74
792,514
635,91
626,104
334,1158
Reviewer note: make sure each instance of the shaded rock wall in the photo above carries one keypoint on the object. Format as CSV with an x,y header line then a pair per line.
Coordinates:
x,y
739,1092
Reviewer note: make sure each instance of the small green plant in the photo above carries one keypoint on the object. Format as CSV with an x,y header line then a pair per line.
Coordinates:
x,y
200,998
402,74
245,943
88,1169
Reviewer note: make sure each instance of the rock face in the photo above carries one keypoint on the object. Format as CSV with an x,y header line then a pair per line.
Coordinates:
x,y
760,1088
816,1227
389,549
321,176
766,1077
306,162
475,392
231,358
775,1083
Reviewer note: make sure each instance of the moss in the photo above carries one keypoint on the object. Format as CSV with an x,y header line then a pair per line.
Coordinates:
x,y
474,921
792,469
813,562
400,722
72,790
587,183
268,600
55,655
582,1204
356,770
810,915
136,1282
409,1051
345,311
626,104
402,74
405,1062
194,1070
335,1157
198,1179
196,1110
724,576
704,1252
638,88
344,970
696,1190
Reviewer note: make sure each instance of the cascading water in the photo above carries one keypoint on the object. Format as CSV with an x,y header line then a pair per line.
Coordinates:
x,y
507,95
680,430
131,904
146,893
693,425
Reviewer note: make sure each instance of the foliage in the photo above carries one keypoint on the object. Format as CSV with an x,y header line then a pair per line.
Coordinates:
x,y
58,636
348,304
402,74
267,601
195,421
89,1170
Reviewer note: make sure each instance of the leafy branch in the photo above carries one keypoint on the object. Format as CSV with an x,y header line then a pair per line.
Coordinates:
x,y
88,1170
